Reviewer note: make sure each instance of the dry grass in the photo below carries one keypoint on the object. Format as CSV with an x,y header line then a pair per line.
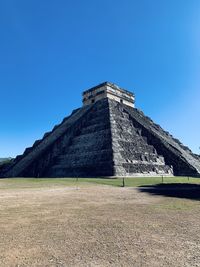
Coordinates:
x,y
97,225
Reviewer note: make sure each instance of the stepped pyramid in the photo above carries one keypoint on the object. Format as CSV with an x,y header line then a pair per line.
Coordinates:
x,y
107,137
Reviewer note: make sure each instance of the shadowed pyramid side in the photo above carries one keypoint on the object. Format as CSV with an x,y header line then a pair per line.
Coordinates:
x,y
89,153
79,146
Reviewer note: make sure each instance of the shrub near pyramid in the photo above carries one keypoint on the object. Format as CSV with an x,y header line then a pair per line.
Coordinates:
x,y
107,137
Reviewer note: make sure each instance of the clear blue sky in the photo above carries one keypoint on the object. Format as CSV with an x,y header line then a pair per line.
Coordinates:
x,y
50,51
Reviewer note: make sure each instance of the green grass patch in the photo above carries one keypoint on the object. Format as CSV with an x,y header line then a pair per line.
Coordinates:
x,y
129,182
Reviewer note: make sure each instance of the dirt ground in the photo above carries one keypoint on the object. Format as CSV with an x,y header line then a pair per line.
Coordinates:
x,y
97,225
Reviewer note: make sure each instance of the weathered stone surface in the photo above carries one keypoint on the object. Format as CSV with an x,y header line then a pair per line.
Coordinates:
x,y
182,159
106,138
133,154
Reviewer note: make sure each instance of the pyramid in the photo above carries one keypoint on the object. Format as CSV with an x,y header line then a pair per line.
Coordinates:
x,y
107,137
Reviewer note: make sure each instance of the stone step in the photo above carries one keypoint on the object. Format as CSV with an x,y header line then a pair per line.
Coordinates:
x,y
79,148
146,168
138,156
133,147
101,105
92,137
97,120
102,169
91,156
97,110
85,153
135,140
101,109
83,164
95,127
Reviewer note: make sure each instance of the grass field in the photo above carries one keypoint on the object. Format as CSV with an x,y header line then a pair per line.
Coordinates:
x,y
96,222
129,182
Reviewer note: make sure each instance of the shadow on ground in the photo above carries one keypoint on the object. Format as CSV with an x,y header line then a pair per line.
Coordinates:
x,y
188,191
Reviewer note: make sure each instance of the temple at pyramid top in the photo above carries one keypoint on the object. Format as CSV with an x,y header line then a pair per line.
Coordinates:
x,y
108,90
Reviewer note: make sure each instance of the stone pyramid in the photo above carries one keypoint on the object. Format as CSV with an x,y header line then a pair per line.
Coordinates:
x,y
107,137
